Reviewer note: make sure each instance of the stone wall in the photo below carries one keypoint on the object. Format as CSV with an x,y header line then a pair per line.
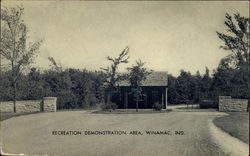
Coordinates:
x,y
21,106
48,104
227,104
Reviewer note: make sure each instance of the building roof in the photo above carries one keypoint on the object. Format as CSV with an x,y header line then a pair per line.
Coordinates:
x,y
156,78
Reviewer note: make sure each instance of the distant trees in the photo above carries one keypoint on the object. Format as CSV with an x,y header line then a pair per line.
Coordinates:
x,y
112,76
172,90
137,74
184,86
74,88
205,85
188,88
13,44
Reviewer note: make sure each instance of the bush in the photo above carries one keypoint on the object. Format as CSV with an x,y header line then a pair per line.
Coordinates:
x,y
204,104
157,106
109,106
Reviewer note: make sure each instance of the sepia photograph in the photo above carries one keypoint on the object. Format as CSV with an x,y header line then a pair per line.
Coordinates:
x,y
124,78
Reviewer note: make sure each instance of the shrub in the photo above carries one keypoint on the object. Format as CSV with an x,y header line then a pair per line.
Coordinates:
x,y
157,106
109,106
208,104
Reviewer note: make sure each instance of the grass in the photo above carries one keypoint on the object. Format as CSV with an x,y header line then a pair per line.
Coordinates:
x,y
236,124
7,115
131,111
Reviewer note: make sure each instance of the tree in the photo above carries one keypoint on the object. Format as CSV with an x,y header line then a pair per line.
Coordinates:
x,y
206,84
232,76
184,87
35,85
137,74
13,44
198,85
237,40
172,92
112,77
54,65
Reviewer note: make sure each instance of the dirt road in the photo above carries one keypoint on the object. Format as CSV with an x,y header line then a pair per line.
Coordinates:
x,y
32,134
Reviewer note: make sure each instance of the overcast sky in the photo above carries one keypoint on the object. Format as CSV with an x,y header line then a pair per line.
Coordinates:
x,y
168,36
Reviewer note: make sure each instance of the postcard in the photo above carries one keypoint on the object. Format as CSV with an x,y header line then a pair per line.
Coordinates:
x,y
124,78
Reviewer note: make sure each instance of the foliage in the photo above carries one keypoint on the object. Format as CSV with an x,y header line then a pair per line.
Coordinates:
x,y
188,88
237,41
5,86
13,44
137,74
157,106
109,106
232,75
74,88
204,104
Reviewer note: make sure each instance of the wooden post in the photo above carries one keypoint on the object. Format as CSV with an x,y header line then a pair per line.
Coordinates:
x,y
166,98
137,99
126,100
162,99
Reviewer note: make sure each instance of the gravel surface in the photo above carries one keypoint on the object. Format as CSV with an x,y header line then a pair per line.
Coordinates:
x,y
32,134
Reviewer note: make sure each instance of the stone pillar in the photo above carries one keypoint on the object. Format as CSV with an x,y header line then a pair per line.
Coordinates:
x,y
224,102
49,104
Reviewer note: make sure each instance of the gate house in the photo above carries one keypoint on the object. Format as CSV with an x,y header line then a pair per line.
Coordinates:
x,y
154,90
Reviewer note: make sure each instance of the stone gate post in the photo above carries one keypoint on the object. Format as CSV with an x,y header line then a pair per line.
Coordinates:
x,y
49,104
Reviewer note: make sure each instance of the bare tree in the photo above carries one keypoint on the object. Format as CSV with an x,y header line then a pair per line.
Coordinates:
x,y
112,77
13,44
55,65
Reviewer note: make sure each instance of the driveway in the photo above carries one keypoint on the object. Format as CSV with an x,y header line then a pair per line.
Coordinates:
x,y
32,134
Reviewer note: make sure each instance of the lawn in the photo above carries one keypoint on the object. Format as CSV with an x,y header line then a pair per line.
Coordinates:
x,y
5,115
236,124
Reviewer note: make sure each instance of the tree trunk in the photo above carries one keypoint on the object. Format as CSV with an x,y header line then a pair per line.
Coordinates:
x,y
14,97
14,85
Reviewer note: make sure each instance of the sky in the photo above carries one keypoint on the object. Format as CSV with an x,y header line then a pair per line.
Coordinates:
x,y
167,35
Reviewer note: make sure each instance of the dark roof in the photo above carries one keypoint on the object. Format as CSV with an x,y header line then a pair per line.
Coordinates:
x,y
154,79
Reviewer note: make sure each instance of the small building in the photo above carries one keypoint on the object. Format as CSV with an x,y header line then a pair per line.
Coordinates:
x,y
154,90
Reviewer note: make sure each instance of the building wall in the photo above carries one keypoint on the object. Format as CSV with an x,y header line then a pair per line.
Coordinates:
x,y
227,104
48,104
